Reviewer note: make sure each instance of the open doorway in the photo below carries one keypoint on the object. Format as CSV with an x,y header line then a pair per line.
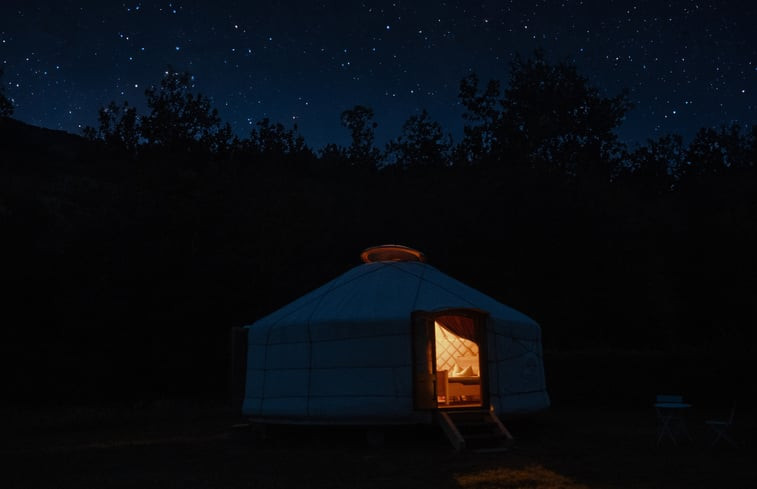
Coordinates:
x,y
449,359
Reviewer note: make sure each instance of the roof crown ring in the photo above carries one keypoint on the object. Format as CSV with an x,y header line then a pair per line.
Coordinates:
x,y
391,252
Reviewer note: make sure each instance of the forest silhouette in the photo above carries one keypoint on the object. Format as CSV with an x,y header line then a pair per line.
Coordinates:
x,y
132,251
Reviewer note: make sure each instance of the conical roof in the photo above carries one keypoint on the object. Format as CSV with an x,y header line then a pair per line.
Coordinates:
x,y
387,291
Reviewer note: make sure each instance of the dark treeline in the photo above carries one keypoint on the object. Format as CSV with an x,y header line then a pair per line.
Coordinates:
x,y
131,252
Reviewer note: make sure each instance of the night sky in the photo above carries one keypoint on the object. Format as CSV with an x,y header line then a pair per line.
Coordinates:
x,y
687,64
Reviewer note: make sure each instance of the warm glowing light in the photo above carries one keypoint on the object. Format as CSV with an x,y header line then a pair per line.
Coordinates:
x,y
458,369
535,476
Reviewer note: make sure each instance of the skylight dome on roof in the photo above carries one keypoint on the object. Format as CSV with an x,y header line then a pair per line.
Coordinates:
x,y
391,253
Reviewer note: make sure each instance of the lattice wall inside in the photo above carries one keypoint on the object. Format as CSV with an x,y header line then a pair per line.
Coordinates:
x,y
449,347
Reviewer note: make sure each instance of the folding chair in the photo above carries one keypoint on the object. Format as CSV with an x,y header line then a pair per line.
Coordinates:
x,y
723,428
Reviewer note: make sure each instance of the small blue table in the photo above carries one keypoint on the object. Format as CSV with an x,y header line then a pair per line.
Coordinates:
x,y
671,422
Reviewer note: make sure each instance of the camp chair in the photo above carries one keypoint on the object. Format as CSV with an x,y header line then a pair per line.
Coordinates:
x,y
723,428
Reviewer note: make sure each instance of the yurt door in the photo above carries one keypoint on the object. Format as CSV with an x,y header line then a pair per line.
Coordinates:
x,y
424,369
449,359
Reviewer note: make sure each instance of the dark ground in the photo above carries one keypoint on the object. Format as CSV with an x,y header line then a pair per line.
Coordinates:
x,y
194,446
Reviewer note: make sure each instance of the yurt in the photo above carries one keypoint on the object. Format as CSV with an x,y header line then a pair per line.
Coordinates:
x,y
393,340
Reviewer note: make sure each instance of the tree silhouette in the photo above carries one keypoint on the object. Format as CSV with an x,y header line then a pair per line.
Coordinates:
x,y
6,106
549,116
333,156
269,140
483,111
656,166
118,128
714,153
421,145
361,152
181,120
559,120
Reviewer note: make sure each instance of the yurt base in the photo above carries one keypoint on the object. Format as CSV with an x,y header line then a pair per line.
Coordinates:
x,y
467,429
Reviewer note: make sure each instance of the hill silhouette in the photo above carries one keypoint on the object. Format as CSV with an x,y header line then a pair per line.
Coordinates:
x,y
22,139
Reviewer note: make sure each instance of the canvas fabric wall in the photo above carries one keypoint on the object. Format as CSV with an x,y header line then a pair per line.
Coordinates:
x,y
344,350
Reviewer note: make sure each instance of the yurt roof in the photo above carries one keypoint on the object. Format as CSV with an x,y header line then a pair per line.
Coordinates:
x,y
387,290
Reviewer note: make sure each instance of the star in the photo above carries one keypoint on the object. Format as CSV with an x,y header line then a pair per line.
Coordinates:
x,y
670,49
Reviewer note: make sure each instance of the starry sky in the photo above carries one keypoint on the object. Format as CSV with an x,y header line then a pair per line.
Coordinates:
x,y
687,64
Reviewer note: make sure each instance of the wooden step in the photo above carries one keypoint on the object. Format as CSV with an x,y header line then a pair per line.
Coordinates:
x,y
474,429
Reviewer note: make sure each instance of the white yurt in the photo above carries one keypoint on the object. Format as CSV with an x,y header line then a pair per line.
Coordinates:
x,y
391,341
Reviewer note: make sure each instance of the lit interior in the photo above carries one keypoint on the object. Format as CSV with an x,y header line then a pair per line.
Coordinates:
x,y
458,370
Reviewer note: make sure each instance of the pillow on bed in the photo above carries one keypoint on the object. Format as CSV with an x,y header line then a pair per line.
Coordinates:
x,y
465,372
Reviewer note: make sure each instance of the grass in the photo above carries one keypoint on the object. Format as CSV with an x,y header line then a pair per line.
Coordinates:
x,y
195,446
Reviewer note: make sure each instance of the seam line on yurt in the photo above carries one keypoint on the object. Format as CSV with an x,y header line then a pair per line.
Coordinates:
x,y
422,277
325,340
432,282
511,393
450,292
265,369
418,288
276,323
310,343
348,396
319,297
399,365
